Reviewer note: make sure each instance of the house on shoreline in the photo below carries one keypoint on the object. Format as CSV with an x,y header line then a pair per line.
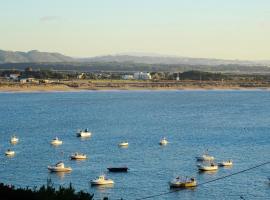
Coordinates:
x,y
28,80
137,76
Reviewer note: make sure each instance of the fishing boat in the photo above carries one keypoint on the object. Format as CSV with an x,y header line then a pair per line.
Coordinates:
x,y
123,144
227,163
102,180
84,133
209,167
118,169
163,141
56,141
14,139
10,153
78,156
183,182
205,157
59,167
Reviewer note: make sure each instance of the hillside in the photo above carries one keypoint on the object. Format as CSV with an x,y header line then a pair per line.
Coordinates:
x,y
35,56
128,63
169,60
32,56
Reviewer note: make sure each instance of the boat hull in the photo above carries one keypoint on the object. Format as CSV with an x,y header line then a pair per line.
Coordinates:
x,y
163,143
84,135
56,143
54,169
183,185
78,157
12,153
108,182
14,141
123,144
207,168
225,164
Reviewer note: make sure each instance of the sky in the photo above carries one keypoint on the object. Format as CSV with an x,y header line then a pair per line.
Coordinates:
x,y
227,29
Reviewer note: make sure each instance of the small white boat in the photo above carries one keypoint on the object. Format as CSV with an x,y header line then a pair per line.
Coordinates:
x,y
227,163
83,134
210,167
56,141
59,167
102,180
14,140
163,141
183,182
123,144
10,153
78,156
205,157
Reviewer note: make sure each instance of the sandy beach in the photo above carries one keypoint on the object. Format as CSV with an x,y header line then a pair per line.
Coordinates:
x,y
105,85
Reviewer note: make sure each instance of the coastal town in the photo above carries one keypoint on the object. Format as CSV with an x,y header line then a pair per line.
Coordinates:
x,y
29,79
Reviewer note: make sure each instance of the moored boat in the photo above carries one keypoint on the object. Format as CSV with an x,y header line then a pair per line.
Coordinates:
x,y
10,153
84,133
78,156
163,141
227,163
209,167
56,141
123,144
14,139
102,180
205,157
118,169
183,182
59,167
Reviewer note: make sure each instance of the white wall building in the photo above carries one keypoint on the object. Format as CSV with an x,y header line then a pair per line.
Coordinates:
x,y
14,76
127,77
142,76
28,80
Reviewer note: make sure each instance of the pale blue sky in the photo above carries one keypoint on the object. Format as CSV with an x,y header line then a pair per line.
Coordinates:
x,y
235,29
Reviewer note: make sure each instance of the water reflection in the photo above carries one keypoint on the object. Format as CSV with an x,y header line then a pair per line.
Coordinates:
x,y
208,172
180,189
10,156
103,188
227,167
85,138
122,147
60,175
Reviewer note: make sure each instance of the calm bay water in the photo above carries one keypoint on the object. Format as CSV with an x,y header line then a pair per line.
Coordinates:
x,y
231,124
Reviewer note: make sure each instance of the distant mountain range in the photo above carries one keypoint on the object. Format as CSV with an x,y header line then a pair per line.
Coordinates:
x,y
35,56
169,60
127,63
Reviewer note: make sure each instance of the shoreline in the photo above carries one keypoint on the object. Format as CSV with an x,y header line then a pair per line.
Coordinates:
x,y
118,85
50,88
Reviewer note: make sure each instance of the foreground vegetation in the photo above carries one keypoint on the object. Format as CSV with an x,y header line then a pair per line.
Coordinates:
x,y
47,192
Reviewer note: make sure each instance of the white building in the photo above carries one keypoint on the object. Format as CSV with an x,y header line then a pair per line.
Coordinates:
x,y
28,80
14,76
142,76
81,76
23,80
127,77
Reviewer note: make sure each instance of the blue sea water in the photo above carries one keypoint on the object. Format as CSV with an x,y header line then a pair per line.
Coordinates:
x,y
230,124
